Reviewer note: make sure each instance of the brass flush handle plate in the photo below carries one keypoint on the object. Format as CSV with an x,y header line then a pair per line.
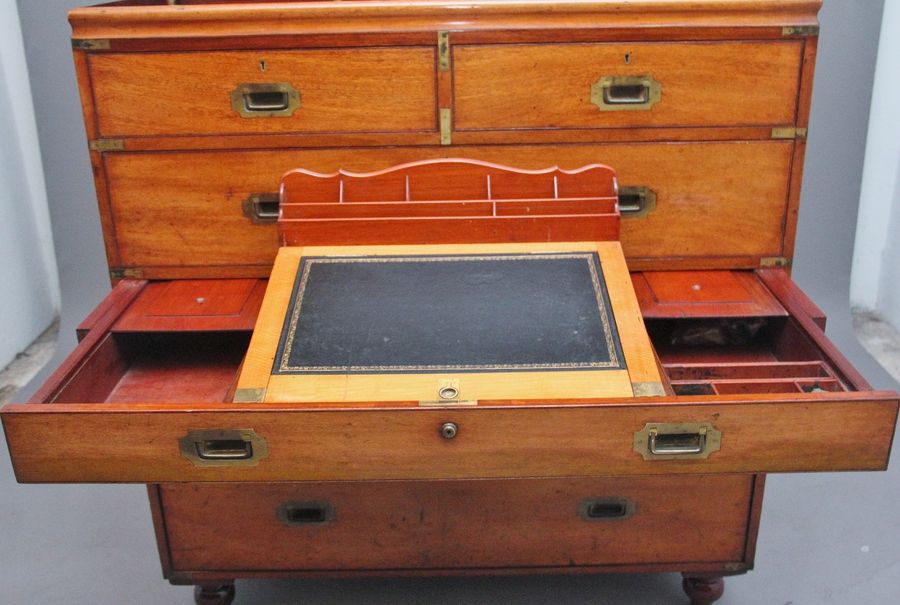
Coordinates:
x,y
224,447
262,208
267,100
687,441
626,93
635,202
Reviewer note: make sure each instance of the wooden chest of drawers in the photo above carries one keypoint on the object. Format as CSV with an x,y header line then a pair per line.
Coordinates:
x,y
194,109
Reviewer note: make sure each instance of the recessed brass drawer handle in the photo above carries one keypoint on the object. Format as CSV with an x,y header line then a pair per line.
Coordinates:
x,y
677,444
616,93
663,441
636,201
606,509
275,99
223,447
305,513
262,208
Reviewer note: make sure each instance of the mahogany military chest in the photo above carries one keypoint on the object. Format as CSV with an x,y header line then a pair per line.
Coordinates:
x,y
194,110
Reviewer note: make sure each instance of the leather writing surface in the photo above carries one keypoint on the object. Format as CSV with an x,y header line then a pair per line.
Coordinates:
x,y
467,313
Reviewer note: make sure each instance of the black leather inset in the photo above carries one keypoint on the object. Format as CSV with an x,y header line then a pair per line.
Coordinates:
x,y
516,312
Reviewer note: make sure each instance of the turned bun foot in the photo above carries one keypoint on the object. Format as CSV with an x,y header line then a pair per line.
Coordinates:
x,y
703,591
214,594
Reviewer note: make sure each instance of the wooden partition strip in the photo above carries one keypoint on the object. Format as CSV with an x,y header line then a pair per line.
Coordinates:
x,y
780,284
449,230
800,307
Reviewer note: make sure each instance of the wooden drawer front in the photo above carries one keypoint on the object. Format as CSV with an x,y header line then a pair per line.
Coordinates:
x,y
550,86
760,433
699,212
343,90
455,524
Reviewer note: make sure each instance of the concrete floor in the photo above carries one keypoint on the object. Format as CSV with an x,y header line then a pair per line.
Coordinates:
x,y
880,339
824,539
28,363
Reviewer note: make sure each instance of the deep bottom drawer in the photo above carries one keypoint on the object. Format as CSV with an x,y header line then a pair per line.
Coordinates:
x,y
457,524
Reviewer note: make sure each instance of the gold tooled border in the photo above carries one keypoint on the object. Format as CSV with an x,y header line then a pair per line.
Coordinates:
x,y
309,262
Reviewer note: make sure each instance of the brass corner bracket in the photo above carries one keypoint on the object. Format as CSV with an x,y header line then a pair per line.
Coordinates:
x,y
107,145
800,30
96,44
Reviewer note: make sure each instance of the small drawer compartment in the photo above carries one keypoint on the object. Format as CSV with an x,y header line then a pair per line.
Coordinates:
x,y
188,305
237,92
725,333
567,523
626,85
155,367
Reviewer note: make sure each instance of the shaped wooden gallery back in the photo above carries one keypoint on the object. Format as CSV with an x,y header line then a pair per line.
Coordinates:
x,y
451,201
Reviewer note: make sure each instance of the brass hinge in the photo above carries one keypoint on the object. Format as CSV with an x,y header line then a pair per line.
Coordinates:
x,y
121,273
446,125
441,403
107,145
249,395
98,44
736,567
800,30
789,132
775,261
648,389
444,51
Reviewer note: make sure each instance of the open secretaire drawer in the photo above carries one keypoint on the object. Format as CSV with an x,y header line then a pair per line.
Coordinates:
x,y
755,387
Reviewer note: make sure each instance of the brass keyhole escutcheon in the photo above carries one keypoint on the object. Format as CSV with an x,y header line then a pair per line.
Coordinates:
x,y
448,392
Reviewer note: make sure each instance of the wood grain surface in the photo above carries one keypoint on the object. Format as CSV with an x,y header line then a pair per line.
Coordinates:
x,y
650,17
700,215
760,433
194,306
456,524
549,85
340,91
703,294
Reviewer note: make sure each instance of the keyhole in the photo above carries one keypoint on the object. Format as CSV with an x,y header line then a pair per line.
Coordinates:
x,y
262,65
628,58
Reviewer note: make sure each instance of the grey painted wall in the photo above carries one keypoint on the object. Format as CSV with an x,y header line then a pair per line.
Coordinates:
x,y
30,299
875,280
70,189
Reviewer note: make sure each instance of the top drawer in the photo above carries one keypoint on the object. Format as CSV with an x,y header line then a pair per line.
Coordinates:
x,y
317,90
626,84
